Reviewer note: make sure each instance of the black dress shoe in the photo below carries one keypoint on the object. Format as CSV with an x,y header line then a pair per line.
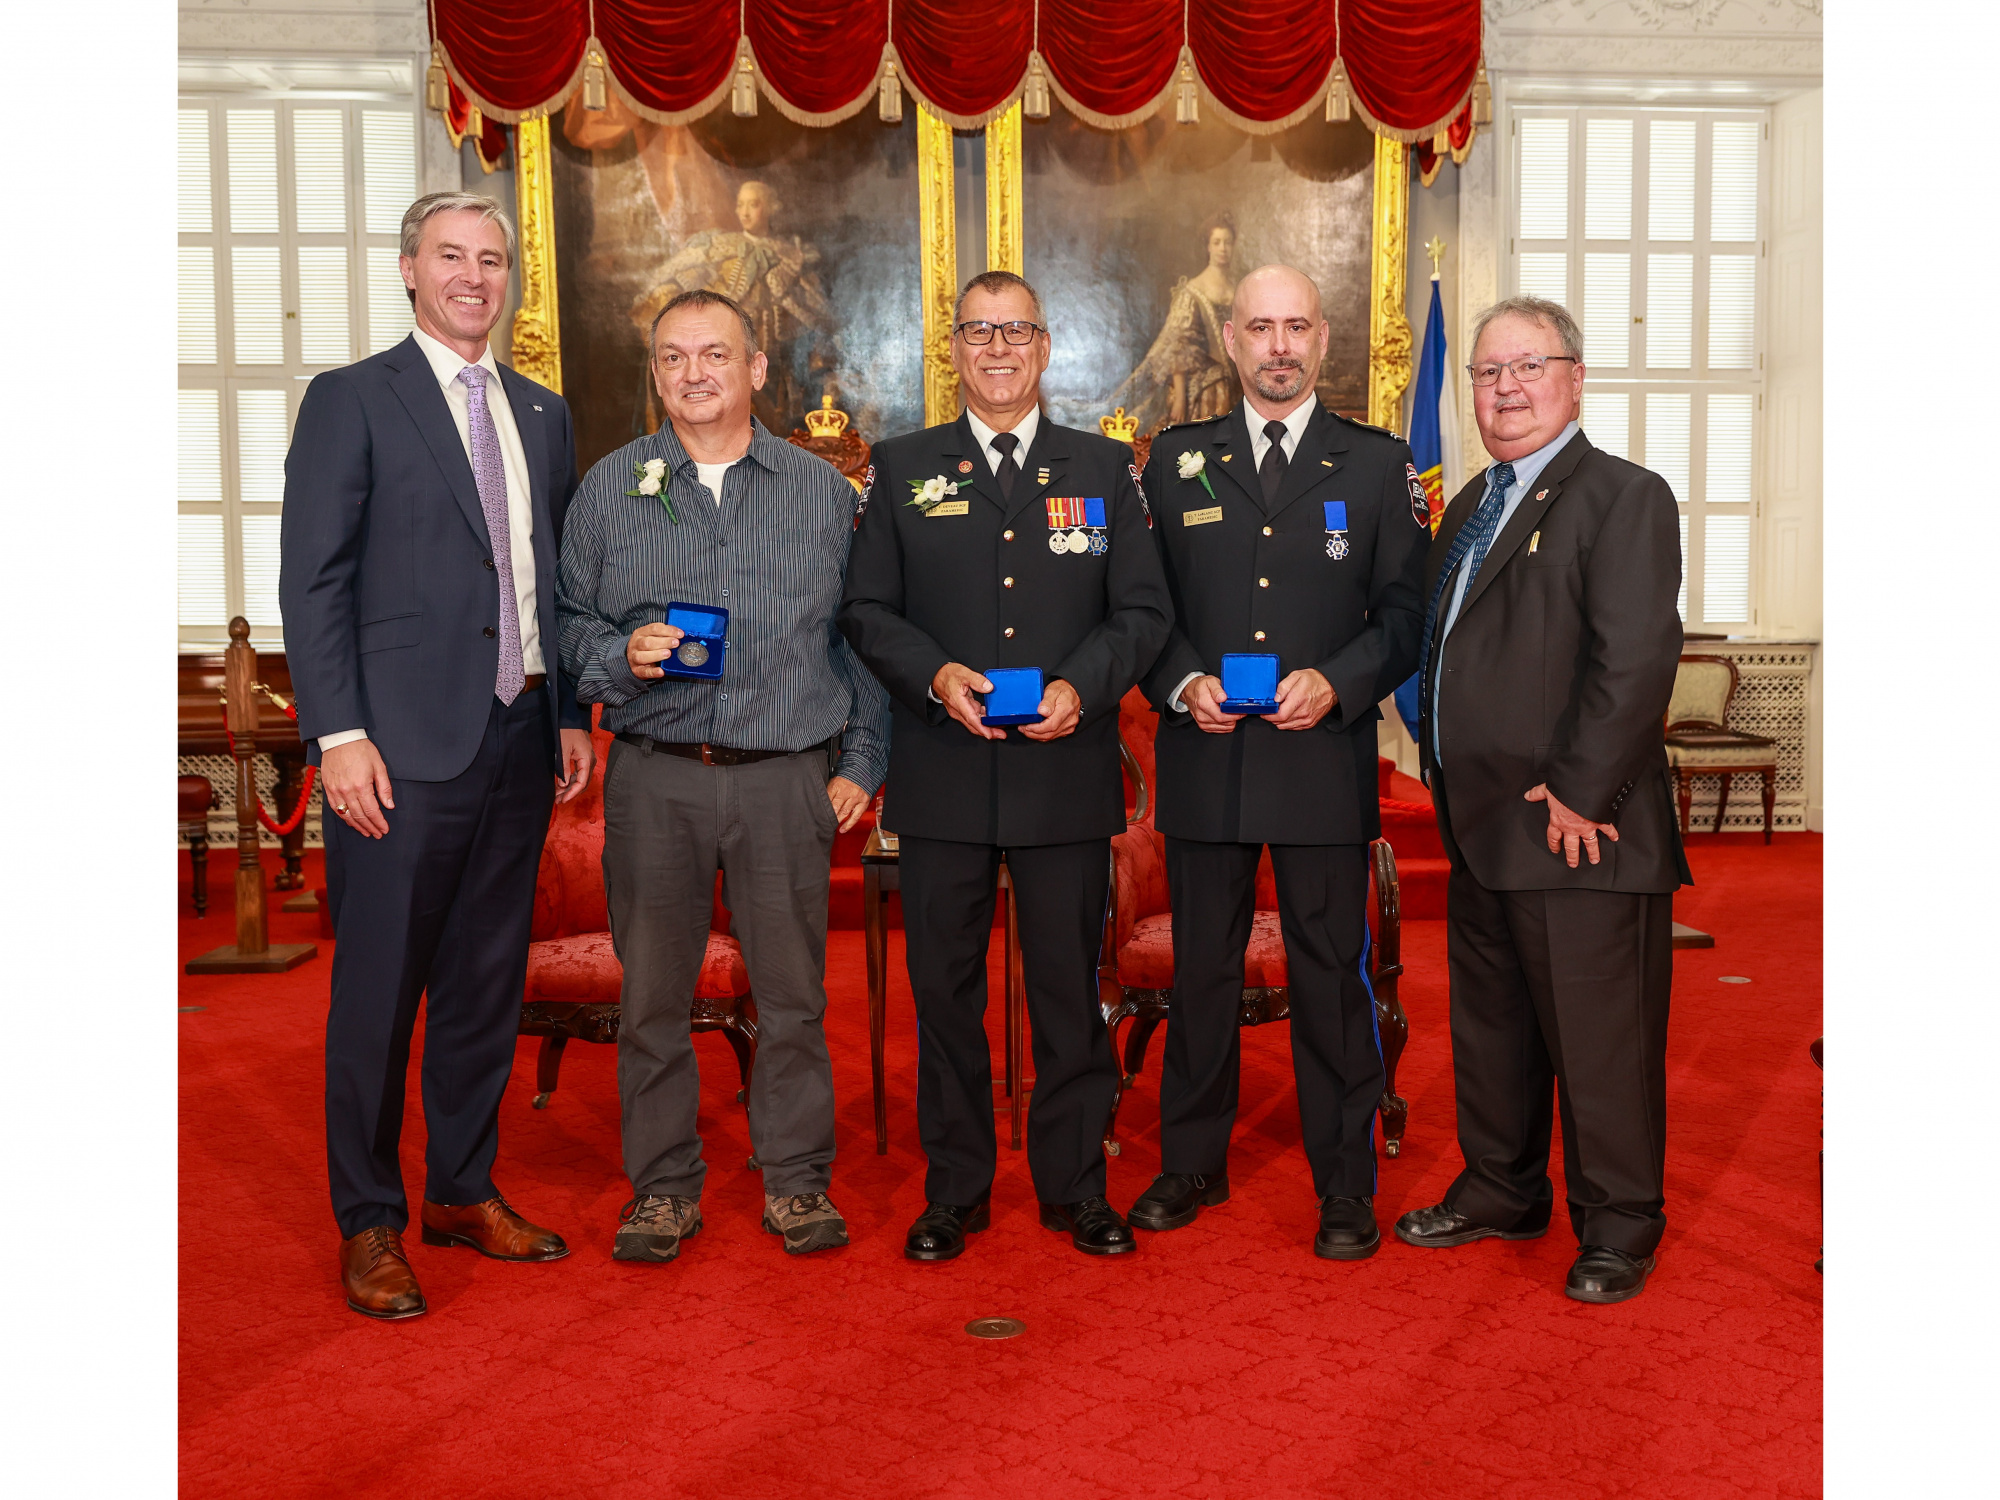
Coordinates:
x,y
1094,1226
1602,1274
940,1230
1176,1197
1439,1227
1346,1229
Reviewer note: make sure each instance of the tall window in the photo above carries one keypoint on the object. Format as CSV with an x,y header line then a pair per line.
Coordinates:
x,y
289,214
1648,226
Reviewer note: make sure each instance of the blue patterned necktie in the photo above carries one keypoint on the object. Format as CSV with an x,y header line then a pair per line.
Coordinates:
x,y
489,473
1468,547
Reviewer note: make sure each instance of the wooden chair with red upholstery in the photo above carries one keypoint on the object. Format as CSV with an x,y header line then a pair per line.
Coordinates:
x,y
1136,983
573,973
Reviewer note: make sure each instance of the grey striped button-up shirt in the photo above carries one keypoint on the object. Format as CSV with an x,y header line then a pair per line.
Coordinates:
x,y
773,554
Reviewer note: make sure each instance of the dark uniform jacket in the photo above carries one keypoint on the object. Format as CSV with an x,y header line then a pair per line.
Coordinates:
x,y
1558,670
974,581
1266,579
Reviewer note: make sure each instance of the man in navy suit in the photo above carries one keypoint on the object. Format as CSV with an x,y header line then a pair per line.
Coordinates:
x,y
424,495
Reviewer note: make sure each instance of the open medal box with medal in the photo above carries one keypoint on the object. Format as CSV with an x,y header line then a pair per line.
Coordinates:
x,y
704,642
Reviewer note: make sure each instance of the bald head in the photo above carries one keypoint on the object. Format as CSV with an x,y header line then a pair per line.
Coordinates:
x,y
1277,336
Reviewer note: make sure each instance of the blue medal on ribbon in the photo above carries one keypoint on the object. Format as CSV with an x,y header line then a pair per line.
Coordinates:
x,y
1336,529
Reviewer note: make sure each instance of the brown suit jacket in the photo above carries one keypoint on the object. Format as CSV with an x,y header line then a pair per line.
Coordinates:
x,y
1558,670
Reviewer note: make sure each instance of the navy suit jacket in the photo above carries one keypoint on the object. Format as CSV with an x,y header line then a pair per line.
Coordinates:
x,y
390,596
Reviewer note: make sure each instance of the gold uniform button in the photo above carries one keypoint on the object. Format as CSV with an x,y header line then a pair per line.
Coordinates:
x,y
1267,531
1006,583
1008,632
1263,583
1260,635
1006,536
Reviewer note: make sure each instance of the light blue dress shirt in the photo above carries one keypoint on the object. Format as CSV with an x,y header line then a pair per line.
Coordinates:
x,y
1526,471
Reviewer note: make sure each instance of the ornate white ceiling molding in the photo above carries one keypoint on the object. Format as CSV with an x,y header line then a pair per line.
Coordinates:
x,y
1751,16
369,27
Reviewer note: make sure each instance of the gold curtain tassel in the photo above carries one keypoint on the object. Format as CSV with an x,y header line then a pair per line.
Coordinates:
x,y
475,126
743,88
1035,92
1482,98
1339,102
889,97
1187,98
593,79
437,86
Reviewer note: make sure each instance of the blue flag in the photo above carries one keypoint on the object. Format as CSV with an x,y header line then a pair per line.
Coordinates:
x,y
1433,427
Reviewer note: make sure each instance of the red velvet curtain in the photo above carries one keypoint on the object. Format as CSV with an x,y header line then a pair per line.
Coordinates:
x,y
1410,62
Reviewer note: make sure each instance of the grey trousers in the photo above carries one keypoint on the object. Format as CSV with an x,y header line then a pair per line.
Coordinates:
x,y
668,824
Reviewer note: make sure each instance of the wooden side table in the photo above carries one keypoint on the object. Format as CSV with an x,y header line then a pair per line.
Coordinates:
x,y
881,872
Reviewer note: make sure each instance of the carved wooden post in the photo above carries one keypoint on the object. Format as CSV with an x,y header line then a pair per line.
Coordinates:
x,y
252,952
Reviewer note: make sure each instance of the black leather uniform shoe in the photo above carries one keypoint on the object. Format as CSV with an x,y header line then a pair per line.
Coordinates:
x,y
1176,1197
940,1230
1602,1274
1346,1229
1439,1228
1094,1226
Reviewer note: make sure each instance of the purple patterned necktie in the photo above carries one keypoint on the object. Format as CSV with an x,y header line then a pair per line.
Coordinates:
x,y
490,474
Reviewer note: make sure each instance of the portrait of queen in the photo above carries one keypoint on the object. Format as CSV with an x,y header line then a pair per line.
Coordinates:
x,y
1186,374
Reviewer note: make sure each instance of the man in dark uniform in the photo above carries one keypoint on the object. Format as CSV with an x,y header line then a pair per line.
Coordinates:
x,y
1003,540
1286,530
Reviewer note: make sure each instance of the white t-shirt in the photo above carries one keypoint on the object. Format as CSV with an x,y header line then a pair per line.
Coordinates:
x,y
711,476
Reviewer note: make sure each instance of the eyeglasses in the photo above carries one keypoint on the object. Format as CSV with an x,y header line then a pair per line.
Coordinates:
x,y
1529,368
980,331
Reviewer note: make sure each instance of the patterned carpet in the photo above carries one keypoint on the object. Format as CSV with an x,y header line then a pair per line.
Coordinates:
x,y
1222,1360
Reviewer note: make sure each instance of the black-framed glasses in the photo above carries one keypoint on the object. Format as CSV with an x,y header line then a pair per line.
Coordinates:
x,y
979,331
1528,368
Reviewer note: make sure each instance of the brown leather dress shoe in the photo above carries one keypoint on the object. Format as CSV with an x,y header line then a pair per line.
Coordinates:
x,y
491,1228
377,1277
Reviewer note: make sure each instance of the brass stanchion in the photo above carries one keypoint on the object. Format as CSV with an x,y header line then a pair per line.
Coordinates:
x,y
253,951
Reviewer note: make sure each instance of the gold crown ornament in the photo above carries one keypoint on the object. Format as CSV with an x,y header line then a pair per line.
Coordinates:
x,y
826,422
1119,426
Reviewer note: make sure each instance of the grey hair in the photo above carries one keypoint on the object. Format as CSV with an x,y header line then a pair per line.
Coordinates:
x,y
701,297
431,205
994,283
1535,310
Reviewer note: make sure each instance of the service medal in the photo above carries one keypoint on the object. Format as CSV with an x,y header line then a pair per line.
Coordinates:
x,y
1336,545
1098,545
692,654
1079,543
1058,542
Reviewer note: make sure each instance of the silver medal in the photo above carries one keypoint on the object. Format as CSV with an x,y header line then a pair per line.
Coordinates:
x,y
1058,542
1078,542
1336,545
692,654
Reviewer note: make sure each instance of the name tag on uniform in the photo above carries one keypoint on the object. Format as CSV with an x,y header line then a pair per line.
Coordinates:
x,y
1336,529
950,508
1201,517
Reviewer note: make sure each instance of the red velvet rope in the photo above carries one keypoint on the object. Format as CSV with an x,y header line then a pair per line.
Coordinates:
x,y
278,830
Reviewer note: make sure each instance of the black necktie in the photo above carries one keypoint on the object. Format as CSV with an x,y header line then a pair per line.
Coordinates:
x,y
1272,469
1009,471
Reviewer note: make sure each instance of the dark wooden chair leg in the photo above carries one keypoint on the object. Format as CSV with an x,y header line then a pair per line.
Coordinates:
x,y
1136,1040
292,847
875,938
1721,800
1770,801
743,1041
1685,783
548,1066
1394,1026
198,858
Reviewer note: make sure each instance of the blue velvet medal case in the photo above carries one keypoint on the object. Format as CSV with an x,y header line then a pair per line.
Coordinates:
x,y
1016,697
704,635
1250,683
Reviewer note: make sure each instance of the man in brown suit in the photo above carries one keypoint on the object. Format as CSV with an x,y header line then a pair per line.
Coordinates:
x,y
1551,639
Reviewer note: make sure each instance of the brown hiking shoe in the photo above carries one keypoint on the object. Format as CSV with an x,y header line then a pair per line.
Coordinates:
x,y
808,1221
652,1228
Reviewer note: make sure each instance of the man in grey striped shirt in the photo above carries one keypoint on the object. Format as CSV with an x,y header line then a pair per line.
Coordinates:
x,y
753,770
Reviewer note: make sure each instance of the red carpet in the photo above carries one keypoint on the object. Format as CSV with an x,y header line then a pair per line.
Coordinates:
x,y
1222,1360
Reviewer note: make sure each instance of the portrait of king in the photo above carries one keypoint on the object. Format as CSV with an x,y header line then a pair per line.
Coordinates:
x,y
776,279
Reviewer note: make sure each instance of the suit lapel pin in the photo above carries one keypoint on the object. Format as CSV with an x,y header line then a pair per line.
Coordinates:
x,y
1225,457
965,466
1041,476
538,408
1535,540
1541,495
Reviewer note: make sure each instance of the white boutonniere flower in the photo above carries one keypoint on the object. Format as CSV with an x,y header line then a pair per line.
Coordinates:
x,y
928,492
1195,466
652,483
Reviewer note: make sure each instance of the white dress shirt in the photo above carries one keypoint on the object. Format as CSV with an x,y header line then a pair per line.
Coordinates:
x,y
1295,427
445,364
1025,430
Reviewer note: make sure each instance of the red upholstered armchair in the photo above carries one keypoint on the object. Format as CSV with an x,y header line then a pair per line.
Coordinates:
x,y
1136,984
573,974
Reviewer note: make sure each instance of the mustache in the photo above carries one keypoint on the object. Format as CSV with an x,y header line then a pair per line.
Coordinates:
x,y
1281,364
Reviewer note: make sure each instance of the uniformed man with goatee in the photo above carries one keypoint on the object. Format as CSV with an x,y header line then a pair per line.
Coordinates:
x,y
1289,531
1001,540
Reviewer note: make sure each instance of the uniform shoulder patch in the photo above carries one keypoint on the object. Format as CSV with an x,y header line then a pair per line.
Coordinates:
x,y
1420,500
1140,485
861,503
1197,422
1368,426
